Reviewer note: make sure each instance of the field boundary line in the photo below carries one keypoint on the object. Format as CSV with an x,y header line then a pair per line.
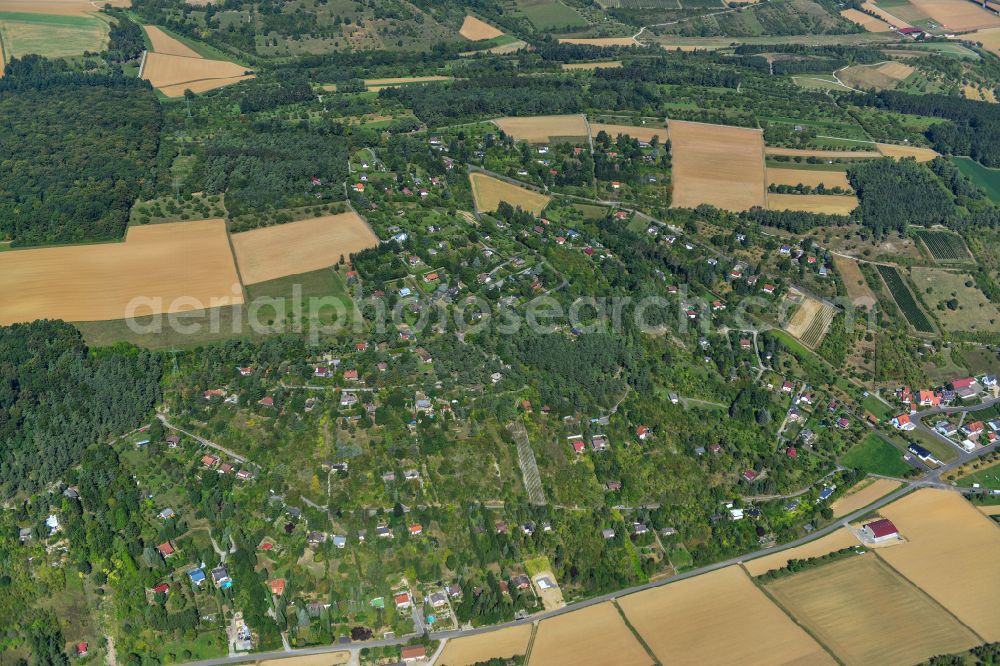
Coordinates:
x,y
926,594
531,641
236,263
635,633
142,63
788,614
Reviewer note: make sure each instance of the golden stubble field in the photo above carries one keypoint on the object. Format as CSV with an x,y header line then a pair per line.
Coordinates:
x,y
810,321
187,265
167,45
868,614
718,618
593,635
601,41
300,247
869,23
63,7
854,281
809,177
886,16
842,538
885,76
899,152
542,129
831,204
829,154
951,553
863,494
642,133
488,192
328,659
718,165
500,644
607,64
958,15
173,74
475,29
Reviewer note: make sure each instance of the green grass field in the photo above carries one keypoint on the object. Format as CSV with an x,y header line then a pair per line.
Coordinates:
x,y
51,35
881,410
537,565
680,557
987,179
988,477
551,15
874,454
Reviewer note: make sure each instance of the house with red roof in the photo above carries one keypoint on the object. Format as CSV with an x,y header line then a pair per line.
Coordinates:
x,y
749,475
351,375
642,432
403,600
166,549
903,422
162,588
278,587
82,649
416,529
266,401
880,530
577,443
413,653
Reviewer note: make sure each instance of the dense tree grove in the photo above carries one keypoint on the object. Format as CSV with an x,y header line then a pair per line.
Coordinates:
x,y
56,399
76,155
897,193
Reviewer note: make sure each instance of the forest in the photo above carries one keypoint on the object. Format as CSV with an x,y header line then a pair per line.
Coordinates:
x,y
63,182
897,193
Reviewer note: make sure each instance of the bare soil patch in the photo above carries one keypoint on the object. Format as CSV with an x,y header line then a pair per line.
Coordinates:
x,y
951,554
809,177
551,596
885,76
718,165
607,64
167,45
300,247
488,192
868,614
593,635
328,659
174,267
476,30
869,23
863,494
642,133
842,538
857,287
500,644
718,618
833,204
542,129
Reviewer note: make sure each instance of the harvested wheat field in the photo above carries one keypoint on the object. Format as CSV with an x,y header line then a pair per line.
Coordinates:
x,y
52,36
718,165
167,45
990,39
951,554
899,152
718,618
475,30
61,7
990,509
544,129
808,177
172,74
500,644
488,192
828,154
869,23
830,204
863,494
885,16
866,613
608,64
601,41
958,15
593,635
842,538
186,265
641,133
328,659
300,247
857,287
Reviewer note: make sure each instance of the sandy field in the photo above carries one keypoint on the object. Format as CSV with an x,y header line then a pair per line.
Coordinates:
x,y
475,30
857,287
185,264
834,204
886,16
64,7
500,644
869,23
842,538
331,659
552,597
958,15
718,165
172,74
601,41
831,154
808,177
718,618
488,192
542,129
863,494
868,614
593,635
643,133
167,45
299,247
952,554
609,64
921,154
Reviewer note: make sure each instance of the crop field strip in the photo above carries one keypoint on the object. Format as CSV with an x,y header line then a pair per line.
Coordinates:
x,y
896,622
831,204
944,245
904,298
863,494
869,23
718,165
810,177
958,15
842,538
